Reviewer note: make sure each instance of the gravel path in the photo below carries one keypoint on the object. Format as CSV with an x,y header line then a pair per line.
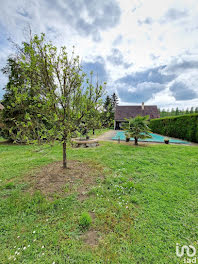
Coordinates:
x,y
107,136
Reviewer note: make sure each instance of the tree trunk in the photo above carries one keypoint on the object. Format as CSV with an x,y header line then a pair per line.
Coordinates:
x,y
64,155
136,141
93,131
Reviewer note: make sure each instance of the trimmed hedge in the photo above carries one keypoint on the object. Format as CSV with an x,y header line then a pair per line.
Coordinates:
x,y
184,127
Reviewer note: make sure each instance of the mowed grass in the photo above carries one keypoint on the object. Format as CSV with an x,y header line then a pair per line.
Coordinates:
x,y
145,202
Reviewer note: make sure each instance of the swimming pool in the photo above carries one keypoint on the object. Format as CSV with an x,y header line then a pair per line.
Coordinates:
x,y
155,138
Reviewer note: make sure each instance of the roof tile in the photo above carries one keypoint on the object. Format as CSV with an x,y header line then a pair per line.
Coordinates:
x,y
129,111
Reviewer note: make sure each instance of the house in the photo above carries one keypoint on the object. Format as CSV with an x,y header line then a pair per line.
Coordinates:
x,y
131,111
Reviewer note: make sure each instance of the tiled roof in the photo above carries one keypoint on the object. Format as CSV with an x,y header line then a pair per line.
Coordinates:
x,y
129,111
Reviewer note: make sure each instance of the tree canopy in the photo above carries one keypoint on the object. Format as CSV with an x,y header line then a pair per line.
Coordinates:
x,y
109,109
48,94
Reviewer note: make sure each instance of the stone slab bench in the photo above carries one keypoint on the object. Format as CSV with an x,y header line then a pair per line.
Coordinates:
x,y
91,143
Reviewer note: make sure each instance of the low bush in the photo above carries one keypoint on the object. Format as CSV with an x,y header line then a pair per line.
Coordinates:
x,y
85,220
184,127
10,186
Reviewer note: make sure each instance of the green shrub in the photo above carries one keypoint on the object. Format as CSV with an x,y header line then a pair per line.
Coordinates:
x,y
10,186
134,200
85,220
184,127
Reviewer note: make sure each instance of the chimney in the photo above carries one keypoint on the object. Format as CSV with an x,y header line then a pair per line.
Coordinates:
x,y
142,106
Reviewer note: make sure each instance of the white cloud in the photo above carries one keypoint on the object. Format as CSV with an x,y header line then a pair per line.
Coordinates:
x,y
147,34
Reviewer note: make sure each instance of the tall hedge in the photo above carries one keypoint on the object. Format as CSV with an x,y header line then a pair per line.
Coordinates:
x,y
184,127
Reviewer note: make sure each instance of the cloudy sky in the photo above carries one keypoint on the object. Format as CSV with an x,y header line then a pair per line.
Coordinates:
x,y
144,50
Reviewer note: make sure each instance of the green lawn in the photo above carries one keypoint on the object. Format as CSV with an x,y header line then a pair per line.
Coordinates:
x,y
145,202
2,139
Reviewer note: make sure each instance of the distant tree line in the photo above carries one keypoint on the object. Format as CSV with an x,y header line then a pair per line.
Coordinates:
x,y
177,111
108,111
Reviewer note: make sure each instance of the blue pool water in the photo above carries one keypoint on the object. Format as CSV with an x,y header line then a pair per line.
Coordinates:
x,y
155,138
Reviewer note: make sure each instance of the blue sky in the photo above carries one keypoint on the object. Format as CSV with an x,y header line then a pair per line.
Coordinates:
x,y
144,50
